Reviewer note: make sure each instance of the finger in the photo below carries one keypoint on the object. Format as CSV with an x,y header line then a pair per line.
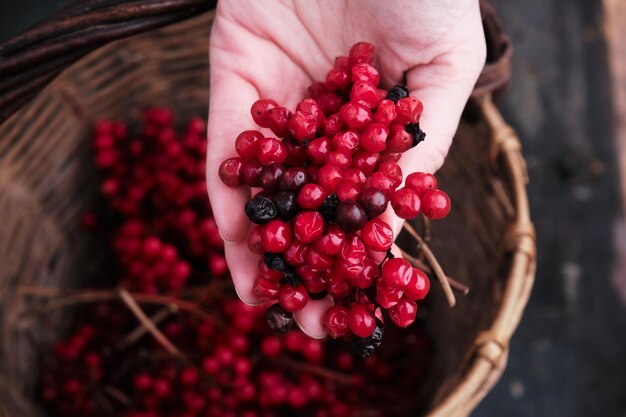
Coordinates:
x,y
310,318
443,86
243,266
231,98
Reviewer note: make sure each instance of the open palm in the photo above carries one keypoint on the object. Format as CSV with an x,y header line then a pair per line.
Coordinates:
x,y
278,48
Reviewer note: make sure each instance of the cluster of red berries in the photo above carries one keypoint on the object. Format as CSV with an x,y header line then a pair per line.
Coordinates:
x,y
157,172
234,364
326,179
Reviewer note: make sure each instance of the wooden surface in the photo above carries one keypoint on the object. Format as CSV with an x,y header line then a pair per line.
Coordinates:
x,y
568,358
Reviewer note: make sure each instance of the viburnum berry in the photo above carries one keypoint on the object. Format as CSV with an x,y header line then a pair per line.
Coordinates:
x,y
361,321
279,120
396,272
421,182
399,140
365,72
331,242
364,94
293,299
374,137
418,286
271,151
260,110
276,236
403,313
374,202
247,144
361,52
393,171
365,161
386,112
388,296
336,321
311,196
409,110
294,179
317,149
329,177
377,235
350,216
355,116
406,203
229,172
436,204
308,226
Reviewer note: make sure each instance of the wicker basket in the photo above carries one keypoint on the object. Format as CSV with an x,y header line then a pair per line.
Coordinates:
x,y
47,181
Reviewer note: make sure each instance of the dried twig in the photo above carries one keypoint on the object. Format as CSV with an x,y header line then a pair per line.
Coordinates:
x,y
132,305
459,286
316,370
141,330
432,260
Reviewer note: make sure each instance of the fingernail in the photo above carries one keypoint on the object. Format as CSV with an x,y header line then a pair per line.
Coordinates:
x,y
252,303
308,332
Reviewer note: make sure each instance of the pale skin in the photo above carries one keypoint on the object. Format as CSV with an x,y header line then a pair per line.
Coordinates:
x,y
276,49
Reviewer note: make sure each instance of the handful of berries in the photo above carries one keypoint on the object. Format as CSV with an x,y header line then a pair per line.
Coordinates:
x,y
325,181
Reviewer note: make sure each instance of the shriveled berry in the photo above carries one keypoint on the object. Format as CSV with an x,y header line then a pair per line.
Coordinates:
x,y
361,320
339,287
293,299
275,262
294,179
403,314
418,286
333,125
365,347
336,321
230,171
247,144
421,182
308,226
296,151
260,209
436,204
278,320
397,92
377,235
350,216
406,203
286,204
311,196
310,108
365,278
416,133
329,208
353,250
397,272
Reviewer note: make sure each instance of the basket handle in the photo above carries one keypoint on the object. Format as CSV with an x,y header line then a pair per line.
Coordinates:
x,y
31,60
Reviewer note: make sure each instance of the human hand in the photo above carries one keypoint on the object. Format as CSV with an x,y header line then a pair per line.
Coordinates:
x,y
277,49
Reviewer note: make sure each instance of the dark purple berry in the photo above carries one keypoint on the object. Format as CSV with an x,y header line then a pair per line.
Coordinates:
x,y
278,319
270,177
294,179
373,201
350,217
286,204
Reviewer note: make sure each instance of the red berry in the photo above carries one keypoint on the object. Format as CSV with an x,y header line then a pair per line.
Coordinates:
x,y
311,196
314,258
296,151
339,287
316,284
342,62
387,296
294,255
347,191
364,94
386,112
331,242
361,52
409,110
254,240
365,72
377,235
347,141
418,285
405,203
316,150
393,171
365,278
276,236
333,125
293,299
355,175
399,140
403,314
270,176
337,80
436,204
309,107
336,321
271,346
230,171
329,177
374,137
279,120
355,116
353,250
381,181
251,173
365,161
397,272
308,226
271,151
339,159
302,126
361,321
265,289
421,182
247,143
269,273
259,111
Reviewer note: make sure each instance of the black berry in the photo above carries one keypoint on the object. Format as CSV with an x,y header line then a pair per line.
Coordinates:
x,y
329,207
278,319
260,209
285,202
397,92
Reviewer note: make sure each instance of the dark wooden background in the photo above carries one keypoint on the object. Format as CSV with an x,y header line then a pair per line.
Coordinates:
x,y
568,358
